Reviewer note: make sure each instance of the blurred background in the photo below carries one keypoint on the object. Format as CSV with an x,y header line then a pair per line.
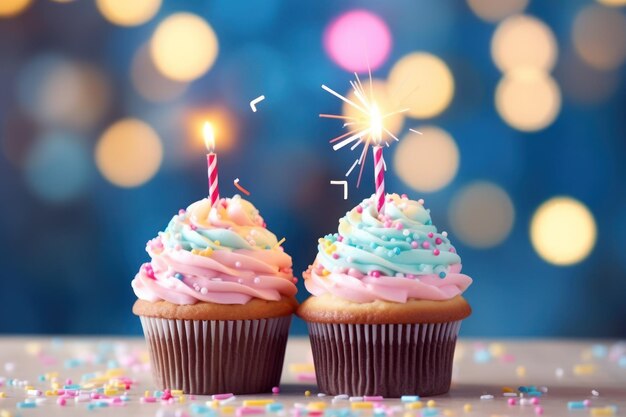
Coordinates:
x,y
520,102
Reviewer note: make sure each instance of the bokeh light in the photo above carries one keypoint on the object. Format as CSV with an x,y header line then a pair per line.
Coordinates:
x,y
599,36
613,3
358,39
482,215
224,125
129,153
184,47
60,92
423,83
427,162
523,42
10,8
128,13
563,231
58,167
150,83
386,105
528,100
495,10
584,84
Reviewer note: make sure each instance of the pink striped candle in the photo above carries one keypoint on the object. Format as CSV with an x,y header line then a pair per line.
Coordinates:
x,y
379,176
211,158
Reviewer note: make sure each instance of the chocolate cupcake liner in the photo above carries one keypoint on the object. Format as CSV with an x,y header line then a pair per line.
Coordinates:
x,y
383,359
210,357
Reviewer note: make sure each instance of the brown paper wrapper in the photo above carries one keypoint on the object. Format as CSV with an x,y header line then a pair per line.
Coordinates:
x,y
211,357
383,359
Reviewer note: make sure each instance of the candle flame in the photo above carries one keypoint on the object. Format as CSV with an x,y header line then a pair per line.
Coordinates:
x,y
209,136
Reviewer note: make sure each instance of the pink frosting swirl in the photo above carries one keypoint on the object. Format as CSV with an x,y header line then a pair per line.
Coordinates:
x,y
357,287
190,265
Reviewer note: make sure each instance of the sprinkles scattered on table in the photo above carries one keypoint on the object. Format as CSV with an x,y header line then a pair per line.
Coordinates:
x,y
108,375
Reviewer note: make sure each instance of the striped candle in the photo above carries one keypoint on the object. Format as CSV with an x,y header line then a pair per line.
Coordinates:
x,y
211,158
379,176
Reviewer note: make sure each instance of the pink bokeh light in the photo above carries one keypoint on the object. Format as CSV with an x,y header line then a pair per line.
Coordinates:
x,y
356,39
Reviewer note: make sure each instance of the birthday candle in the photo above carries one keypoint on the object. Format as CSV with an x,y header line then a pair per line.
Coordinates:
x,y
209,140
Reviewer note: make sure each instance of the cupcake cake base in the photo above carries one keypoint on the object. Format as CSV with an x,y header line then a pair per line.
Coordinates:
x,y
357,353
203,357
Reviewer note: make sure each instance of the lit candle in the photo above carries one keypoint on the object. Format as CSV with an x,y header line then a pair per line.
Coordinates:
x,y
211,158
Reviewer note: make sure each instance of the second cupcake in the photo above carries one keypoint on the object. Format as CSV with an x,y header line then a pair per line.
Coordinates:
x,y
386,306
216,300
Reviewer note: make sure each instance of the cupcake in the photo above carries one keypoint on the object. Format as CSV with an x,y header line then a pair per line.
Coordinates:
x,y
386,306
216,300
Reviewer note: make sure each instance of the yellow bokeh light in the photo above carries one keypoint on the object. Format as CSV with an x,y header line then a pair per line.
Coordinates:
x,y
613,3
523,42
184,47
423,83
599,36
129,153
482,215
427,162
495,10
150,83
563,231
10,8
128,13
380,93
528,100
224,127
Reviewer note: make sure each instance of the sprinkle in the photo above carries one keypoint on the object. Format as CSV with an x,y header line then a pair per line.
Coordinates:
x,y
539,410
375,274
227,409
240,188
362,405
420,201
603,411
575,405
307,393
355,399
203,291
486,397
534,401
280,242
224,396
595,393
414,245
373,398
520,371
317,406
431,403
246,411
414,405
511,401
587,403
438,241
467,407
436,252
426,244
559,373
275,390
341,397
256,403
429,412
26,405
584,369
274,407
409,398
5,413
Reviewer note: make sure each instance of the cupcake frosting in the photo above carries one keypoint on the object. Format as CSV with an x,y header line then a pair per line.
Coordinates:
x,y
394,256
222,254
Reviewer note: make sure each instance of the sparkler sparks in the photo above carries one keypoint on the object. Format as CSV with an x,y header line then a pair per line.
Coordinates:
x,y
368,129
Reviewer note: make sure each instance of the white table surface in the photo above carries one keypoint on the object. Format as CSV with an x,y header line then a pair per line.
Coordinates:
x,y
569,369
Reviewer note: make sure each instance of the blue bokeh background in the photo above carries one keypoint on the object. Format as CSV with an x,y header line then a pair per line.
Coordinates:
x,y
66,267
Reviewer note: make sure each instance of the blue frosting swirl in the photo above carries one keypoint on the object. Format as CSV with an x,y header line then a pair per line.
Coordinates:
x,y
401,241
